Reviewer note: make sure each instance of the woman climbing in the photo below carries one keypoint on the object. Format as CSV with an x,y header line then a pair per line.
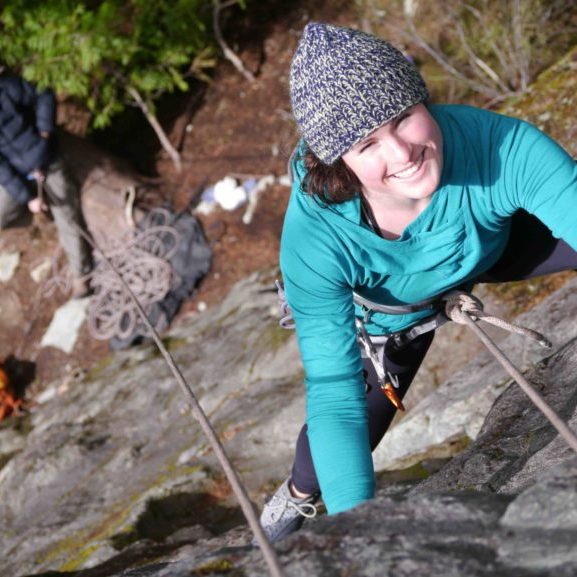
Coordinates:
x,y
395,202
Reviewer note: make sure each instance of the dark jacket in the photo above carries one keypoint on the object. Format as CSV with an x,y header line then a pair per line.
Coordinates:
x,y
24,112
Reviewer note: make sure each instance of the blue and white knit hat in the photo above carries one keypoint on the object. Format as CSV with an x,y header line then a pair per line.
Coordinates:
x,y
345,84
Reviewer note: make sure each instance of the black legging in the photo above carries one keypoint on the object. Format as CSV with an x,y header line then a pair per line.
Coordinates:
x,y
531,251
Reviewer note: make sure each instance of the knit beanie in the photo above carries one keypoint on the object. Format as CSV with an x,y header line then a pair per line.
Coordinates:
x,y
344,84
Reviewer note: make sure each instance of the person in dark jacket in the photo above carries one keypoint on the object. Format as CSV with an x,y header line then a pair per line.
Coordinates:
x,y
33,177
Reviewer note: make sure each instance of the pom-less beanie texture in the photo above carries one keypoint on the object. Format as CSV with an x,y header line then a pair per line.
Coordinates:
x,y
345,84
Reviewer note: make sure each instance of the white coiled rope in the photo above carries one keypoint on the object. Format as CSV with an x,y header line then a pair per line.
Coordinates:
x,y
143,262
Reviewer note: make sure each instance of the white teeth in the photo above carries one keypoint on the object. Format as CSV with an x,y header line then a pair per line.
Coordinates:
x,y
408,172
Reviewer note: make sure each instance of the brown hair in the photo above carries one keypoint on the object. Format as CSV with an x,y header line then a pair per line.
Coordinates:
x,y
330,183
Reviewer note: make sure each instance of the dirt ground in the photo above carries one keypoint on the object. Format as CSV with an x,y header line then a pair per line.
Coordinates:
x,y
231,127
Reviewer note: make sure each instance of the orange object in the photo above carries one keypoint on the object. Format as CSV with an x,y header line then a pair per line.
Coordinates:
x,y
389,390
9,402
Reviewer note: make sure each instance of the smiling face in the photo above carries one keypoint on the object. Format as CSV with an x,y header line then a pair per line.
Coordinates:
x,y
402,159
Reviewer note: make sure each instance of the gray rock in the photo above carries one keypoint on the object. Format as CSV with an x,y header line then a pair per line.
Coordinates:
x,y
113,478
443,423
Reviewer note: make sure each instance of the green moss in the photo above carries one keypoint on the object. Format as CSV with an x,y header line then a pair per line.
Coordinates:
x,y
173,343
550,102
273,337
22,425
217,567
79,559
75,550
521,296
126,537
231,313
268,277
417,472
95,371
79,547
495,453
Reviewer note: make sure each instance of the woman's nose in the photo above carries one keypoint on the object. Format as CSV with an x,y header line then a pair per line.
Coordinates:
x,y
396,150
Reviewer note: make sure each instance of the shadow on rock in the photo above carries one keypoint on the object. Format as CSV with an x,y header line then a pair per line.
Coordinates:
x,y
20,372
164,517
164,527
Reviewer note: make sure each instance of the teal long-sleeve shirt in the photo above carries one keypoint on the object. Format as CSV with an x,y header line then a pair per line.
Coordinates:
x,y
493,166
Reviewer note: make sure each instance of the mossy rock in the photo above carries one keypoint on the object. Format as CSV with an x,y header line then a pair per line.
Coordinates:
x,y
551,101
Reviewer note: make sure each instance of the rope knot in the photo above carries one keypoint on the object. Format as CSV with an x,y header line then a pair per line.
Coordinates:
x,y
462,308
459,304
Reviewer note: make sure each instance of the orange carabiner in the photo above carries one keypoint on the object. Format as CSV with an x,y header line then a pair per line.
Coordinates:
x,y
389,390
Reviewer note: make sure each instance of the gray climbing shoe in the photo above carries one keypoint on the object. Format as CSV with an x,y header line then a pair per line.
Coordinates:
x,y
284,514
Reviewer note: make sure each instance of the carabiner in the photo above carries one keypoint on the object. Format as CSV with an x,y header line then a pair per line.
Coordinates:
x,y
389,391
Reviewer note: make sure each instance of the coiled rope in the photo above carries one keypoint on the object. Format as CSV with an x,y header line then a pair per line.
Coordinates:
x,y
198,413
142,262
465,309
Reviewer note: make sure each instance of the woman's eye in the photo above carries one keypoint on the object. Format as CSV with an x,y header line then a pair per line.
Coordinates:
x,y
365,146
403,116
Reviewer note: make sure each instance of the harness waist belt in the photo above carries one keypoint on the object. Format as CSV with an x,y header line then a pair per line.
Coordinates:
x,y
431,304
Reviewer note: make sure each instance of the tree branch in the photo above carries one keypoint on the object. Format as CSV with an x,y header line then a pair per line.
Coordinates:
x,y
476,61
418,39
226,50
153,121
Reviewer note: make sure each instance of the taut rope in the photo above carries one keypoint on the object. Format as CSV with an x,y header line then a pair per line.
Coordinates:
x,y
268,551
465,309
460,305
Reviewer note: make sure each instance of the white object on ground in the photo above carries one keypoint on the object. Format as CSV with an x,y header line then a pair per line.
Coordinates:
x,y
284,180
8,263
66,322
262,183
204,207
229,194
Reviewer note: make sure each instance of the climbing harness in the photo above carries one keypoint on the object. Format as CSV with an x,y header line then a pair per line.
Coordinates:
x,y
387,381
458,306
373,346
198,413
401,338
286,318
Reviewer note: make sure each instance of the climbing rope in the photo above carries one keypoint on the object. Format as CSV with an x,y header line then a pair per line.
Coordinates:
x,y
459,305
143,261
465,309
198,413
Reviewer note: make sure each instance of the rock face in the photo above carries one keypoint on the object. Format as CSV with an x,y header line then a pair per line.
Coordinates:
x,y
449,419
112,477
109,456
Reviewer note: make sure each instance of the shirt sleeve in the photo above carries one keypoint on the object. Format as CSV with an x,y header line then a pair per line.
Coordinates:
x,y
14,183
540,177
321,302
45,111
